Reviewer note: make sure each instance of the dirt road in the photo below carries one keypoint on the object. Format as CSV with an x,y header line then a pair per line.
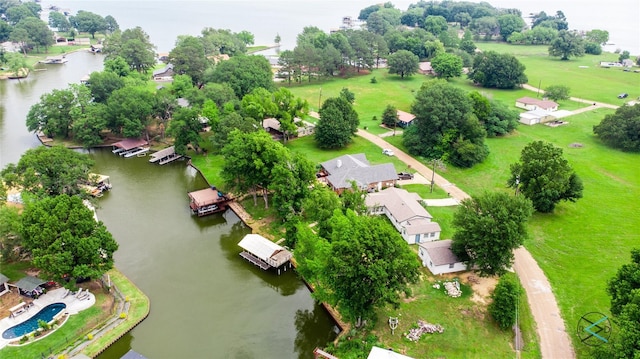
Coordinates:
x,y
554,339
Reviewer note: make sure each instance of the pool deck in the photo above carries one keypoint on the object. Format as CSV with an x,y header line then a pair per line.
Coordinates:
x,y
74,305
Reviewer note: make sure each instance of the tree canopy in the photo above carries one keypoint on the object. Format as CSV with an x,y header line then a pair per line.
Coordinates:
x,y
65,240
134,46
189,58
244,73
49,171
447,65
488,228
544,176
503,71
557,92
86,21
445,126
403,63
621,129
338,123
504,308
364,265
567,44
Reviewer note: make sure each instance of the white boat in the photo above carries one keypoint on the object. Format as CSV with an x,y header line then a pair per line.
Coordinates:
x,y
137,152
55,60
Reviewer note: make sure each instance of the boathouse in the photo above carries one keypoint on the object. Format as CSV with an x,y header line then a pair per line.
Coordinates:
x,y
165,156
207,201
264,253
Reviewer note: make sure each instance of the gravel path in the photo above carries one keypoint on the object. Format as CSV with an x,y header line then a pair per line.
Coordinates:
x,y
554,339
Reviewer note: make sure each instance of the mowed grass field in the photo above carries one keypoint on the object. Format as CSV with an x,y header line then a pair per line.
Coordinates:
x,y
581,245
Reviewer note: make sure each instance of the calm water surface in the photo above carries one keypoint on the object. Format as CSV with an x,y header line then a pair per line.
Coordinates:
x,y
206,301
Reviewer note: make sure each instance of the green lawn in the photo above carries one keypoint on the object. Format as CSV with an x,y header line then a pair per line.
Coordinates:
x,y
469,331
593,82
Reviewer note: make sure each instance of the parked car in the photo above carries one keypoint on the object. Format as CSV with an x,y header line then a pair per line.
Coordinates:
x,y
387,152
405,176
623,95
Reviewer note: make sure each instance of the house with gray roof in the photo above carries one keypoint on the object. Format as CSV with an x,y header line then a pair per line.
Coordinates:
x,y
438,257
4,288
339,172
164,74
406,213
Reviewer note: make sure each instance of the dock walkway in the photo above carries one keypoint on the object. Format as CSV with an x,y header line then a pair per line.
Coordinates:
x,y
255,260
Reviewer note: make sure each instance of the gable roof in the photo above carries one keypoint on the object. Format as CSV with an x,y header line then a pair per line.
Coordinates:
x,y
130,143
347,168
166,69
205,197
405,117
260,246
400,203
544,104
379,353
29,283
440,252
3,278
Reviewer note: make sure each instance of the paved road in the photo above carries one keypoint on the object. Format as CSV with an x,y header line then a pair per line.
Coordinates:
x,y
554,339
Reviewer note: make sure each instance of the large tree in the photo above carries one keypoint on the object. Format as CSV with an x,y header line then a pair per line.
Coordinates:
x,y
503,71
445,126
447,65
52,115
59,21
544,176
49,171
390,116
337,125
185,129
403,63
488,228
86,21
103,83
65,240
509,24
567,44
292,178
130,109
134,46
504,305
188,57
363,266
39,33
244,73
621,129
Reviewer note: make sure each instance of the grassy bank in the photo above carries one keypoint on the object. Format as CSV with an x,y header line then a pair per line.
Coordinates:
x,y
139,307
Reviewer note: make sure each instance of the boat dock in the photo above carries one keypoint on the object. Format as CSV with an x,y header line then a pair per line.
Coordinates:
x,y
130,147
208,201
264,253
165,156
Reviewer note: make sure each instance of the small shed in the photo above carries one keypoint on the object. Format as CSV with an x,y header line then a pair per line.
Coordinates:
x,y
31,286
439,258
263,252
4,288
405,119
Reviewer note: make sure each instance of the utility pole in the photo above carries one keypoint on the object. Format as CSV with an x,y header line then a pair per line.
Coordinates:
x,y
433,173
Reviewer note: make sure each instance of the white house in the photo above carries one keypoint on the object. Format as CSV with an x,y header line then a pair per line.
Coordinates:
x,y
405,118
529,103
438,257
405,213
536,116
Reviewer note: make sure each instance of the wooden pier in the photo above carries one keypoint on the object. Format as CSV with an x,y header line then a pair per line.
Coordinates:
x,y
165,156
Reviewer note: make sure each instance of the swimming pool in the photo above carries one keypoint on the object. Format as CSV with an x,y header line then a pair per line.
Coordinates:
x,y
47,313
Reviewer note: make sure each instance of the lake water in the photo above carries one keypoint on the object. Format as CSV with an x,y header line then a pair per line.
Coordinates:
x,y
206,301
165,20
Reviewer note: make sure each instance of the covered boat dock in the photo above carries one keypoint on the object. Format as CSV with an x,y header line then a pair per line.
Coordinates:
x,y
207,201
129,145
165,156
264,253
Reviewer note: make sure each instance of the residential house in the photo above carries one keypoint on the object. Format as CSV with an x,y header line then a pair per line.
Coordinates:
x,y
438,257
529,103
164,74
610,64
405,119
339,172
272,126
406,213
536,116
425,68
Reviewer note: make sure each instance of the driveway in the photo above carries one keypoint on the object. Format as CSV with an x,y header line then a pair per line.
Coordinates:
x,y
554,339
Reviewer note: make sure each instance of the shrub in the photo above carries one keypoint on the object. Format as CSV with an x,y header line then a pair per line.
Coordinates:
x,y
503,308
24,339
557,92
123,315
43,324
89,336
373,80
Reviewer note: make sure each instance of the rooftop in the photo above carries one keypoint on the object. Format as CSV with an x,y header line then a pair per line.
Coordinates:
x,y
440,252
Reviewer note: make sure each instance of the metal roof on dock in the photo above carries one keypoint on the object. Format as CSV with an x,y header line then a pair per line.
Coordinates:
x,y
130,143
205,197
265,249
